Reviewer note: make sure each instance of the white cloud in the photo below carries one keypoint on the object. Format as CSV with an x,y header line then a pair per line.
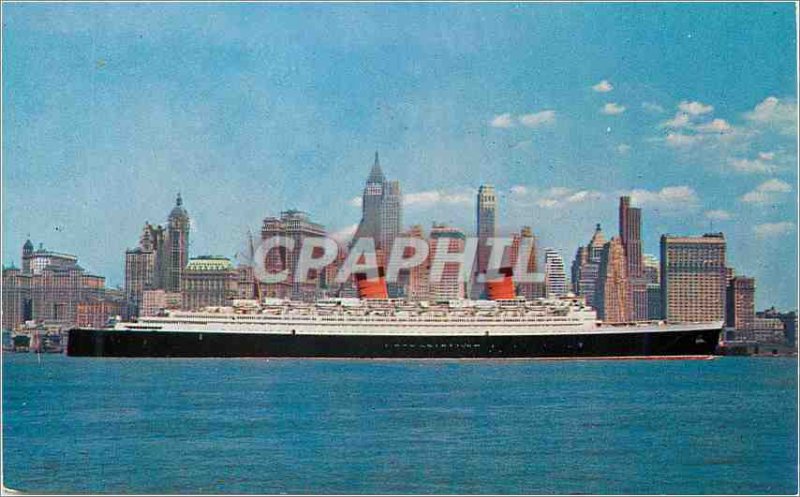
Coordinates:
x,y
345,234
715,126
519,190
672,197
751,166
502,121
555,197
652,107
767,192
766,230
438,197
682,140
775,185
681,120
623,148
718,215
766,155
695,108
537,118
603,87
522,145
612,109
355,202
583,195
780,114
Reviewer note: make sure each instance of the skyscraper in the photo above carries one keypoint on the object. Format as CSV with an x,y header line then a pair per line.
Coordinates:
x,y
415,280
140,270
651,270
651,273
554,276
209,281
486,219
17,298
160,258
740,308
586,266
693,278
382,209
449,286
630,232
51,287
613,294
177,246
391,215
297,226
528,289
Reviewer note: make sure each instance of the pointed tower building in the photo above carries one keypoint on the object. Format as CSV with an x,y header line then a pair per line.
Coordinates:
x,y
177,246
613,292
382,209
586,266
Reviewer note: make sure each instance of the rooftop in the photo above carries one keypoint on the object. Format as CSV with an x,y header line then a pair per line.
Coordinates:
x,y
209,263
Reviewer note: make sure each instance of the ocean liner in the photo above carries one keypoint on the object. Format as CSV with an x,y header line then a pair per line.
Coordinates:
x,y
384,328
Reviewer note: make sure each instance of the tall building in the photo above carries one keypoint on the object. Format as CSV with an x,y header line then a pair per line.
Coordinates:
x,y
586,266
17,301
51,287
35,261
209,281
654,311
297,226
415,280
391,215
766,330
140,273
651,269
159,260
450,286
177,246
486,220
613,293
630,232
789,320
578,262
382,209
27,254
693,278
246,282
740,308
554,276
96,313
528,289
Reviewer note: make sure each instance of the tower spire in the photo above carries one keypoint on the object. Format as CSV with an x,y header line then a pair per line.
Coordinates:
x,y
376,174
179,200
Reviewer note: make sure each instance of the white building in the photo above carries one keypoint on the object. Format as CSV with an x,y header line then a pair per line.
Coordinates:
x,y
554,275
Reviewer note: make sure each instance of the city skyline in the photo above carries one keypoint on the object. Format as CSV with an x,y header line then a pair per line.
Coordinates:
x,y
559,144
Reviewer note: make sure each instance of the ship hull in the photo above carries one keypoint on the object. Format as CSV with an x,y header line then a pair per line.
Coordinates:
x,y
127,343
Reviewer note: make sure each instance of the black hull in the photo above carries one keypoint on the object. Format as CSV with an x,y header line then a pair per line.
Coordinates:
x,y
113,343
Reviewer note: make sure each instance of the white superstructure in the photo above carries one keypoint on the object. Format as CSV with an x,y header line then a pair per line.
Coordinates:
x,y
343,316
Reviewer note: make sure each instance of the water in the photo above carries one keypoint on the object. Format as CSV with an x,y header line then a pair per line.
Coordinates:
x,y
83,425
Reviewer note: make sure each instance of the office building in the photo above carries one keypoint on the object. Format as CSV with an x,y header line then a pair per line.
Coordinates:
x,y
613,293
693,277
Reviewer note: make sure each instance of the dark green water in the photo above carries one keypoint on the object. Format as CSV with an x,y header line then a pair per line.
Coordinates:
x,y
80,425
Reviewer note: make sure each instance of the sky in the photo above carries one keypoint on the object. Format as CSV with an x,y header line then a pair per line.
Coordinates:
x,y
250,109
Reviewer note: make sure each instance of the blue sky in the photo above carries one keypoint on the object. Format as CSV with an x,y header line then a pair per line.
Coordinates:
x,y
249,109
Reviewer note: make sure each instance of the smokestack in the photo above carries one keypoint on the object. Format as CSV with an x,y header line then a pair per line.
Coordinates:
x,y
374,288
501,288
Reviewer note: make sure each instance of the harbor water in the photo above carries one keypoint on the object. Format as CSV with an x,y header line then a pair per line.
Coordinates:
x,y
84,425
